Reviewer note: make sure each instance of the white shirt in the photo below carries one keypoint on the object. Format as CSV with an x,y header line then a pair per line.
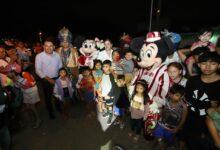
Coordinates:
x,y
63,83
103,55
105,85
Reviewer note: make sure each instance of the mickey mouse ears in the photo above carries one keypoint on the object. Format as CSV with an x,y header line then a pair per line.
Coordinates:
x,y
137,43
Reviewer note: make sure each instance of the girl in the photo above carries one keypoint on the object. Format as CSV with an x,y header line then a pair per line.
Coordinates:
x,y
86,89
175,72
27,84
138,106
97,75
63,91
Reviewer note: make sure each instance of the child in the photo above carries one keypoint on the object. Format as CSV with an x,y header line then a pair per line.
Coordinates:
x,y
199,91
122,102
213,121
116,66
138,105
128,67
97,75
204,40
63,91
107,88
173,115
175,72
29,89
86,88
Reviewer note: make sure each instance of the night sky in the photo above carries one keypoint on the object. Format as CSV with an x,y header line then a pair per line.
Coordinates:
x,y
104,18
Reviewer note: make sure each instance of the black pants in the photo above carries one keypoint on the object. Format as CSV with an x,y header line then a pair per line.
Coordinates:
x,y
137,125
48,92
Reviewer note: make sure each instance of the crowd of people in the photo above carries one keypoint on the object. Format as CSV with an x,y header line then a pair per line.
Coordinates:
x,y
189,116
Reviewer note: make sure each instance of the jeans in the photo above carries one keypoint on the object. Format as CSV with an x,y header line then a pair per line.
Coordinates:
x,y
5,138
136,125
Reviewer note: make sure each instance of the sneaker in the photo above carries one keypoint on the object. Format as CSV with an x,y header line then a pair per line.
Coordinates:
x,y
116,123
109,121
37,124
105,115
121,125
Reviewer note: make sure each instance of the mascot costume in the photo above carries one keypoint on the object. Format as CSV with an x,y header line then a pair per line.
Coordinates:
x,y
68,54
153,51
89,53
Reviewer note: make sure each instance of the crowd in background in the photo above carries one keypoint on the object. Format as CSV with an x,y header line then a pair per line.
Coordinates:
x,y
191,115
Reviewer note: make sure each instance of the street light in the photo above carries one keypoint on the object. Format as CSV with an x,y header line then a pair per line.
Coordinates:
x,y
40,37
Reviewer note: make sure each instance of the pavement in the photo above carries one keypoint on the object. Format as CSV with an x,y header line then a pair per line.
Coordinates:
x,y
77,133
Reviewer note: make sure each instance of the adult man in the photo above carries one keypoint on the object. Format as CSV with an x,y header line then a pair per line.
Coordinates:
x,y
47,65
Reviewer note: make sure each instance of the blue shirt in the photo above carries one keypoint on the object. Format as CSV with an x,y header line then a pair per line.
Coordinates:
x,y
48,64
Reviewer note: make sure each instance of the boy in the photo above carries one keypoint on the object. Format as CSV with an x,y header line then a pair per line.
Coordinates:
x,y
107,88
128,67
121,101
199,91
173,115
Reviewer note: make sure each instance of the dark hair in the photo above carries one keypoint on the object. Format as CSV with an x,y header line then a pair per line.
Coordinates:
x,y
121,76
62,69
85,68
176,88
107,62
108,40
96,61
145,85
209,56
9,47
202,31
49,39
115,51
176,65
199,50
128,51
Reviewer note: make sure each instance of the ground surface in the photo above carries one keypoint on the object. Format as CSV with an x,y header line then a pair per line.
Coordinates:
x,y
77,133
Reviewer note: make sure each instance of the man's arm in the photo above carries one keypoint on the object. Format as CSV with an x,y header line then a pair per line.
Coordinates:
x,y
38,67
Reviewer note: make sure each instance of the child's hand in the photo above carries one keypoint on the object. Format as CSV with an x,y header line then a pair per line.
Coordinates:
x,y
107,97
99,99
